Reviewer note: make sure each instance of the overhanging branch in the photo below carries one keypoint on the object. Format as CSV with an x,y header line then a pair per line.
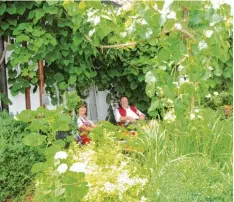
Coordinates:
x,y
130,44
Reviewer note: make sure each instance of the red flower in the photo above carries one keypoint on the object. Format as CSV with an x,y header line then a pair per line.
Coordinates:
x,y
85,139
133,133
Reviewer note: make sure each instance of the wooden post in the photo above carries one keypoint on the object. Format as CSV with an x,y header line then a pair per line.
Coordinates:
x,y
3,77
41,80
27,90
27,98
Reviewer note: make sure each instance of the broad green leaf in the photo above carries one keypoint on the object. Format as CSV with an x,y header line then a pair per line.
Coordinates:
x,y
134,70
38,167
133,85
61,143
2,8
22,37
83,189
39,42
37,32
20,8
11,9
50,151
77,39
39,13
150,89
164,55
63,86
53,41
76,23
104,30
72,8
141,77
33,139
4,26
12,22
154,105
87,74
69,138
51,10
26,115
72,79
62,122
59,77
78,70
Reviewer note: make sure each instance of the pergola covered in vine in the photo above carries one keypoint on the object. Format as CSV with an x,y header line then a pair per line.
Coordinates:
x,y
138,49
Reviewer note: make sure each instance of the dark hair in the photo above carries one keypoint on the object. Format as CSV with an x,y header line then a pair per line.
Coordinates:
x,y
83,104
122,97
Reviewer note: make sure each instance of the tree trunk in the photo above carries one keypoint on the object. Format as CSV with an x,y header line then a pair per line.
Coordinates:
x,y
27,90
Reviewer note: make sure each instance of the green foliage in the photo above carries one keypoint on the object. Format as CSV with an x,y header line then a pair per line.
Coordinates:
x,y
200,42
218,99
16,158
179,155
43,125
95,172
206,181
5,99
73,101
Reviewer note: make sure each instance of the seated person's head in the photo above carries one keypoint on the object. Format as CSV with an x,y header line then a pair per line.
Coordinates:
x,y
82,110
124,102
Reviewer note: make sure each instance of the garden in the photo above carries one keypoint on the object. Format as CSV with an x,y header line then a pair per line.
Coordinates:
x,y
172,59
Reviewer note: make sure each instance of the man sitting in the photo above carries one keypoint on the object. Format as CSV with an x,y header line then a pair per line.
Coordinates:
x,y
127,114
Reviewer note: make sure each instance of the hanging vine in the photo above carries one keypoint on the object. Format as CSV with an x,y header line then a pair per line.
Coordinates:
x,y
135,50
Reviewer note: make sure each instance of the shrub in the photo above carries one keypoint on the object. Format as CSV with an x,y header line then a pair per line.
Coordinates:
x,y
176,176
16,158
193,179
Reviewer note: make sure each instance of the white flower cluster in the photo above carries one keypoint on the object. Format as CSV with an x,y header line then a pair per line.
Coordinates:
x,y
62,168
170,116
178,26
78,167
124,182
171,15
114,177
195,114
202,45
209,95
208,33
60,155
92,18
148,33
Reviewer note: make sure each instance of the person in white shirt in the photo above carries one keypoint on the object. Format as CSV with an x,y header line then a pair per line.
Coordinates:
x,y
125,113
83,123
84,126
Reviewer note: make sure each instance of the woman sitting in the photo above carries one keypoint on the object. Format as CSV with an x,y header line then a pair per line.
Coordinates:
x,y
84,125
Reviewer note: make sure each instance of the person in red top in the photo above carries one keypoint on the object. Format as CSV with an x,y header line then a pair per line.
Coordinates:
x,y
127,114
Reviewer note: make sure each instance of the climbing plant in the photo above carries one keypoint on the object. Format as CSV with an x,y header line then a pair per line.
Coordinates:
x,y
145,50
